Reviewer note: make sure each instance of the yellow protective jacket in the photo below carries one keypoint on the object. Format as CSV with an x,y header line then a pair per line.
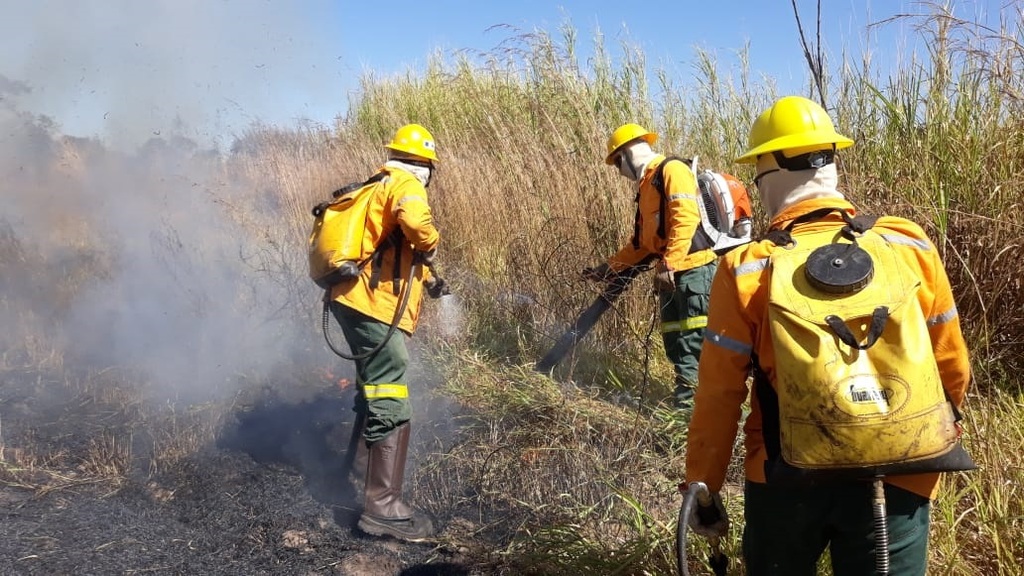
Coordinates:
x,y
681,225
738,330
400,203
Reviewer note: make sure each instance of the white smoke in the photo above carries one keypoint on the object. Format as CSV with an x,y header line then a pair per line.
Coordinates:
x,y
126,71
115,118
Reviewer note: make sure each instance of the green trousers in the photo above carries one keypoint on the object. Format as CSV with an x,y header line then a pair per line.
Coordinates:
x,y
684,316
787,530
382,393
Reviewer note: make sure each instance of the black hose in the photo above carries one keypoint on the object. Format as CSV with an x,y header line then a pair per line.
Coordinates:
x,y
697,495
689,501
399,312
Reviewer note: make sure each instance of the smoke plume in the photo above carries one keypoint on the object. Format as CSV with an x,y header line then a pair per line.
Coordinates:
x,y
127,233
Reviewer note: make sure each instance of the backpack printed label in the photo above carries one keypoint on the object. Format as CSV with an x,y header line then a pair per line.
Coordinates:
x,y
880,409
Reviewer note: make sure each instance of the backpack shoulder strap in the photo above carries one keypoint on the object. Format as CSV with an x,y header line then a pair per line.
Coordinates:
x,y
356,185
855,225
658,181
319,208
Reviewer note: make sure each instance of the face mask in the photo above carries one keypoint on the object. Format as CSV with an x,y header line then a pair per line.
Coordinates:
x,y
633,159
625,166
423,171
779,188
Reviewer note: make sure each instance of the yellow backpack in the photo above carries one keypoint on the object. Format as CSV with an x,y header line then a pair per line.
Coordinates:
x,y
858,392
336,251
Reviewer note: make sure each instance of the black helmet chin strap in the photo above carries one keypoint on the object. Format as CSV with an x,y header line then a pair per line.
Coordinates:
x,y
626,166
808,161
418,163
423,164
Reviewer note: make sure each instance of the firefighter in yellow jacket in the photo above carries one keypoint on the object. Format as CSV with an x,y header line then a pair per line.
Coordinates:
x,y
685,261
788,528
399,221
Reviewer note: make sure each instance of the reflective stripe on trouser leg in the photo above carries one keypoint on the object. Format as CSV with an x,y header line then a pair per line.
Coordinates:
x,y
381,378
394,390
684,316
685,325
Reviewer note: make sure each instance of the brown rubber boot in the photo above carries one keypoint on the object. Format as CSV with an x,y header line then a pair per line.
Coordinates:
x,y
384,512
357,454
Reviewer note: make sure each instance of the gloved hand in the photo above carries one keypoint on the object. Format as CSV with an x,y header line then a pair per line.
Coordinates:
x,y
600,273
427,257
436,287
665,281
710,521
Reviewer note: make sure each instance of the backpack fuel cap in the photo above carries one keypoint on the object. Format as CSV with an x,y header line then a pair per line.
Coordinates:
x,y
839,268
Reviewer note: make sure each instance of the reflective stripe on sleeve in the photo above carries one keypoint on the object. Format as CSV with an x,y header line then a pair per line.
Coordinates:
x,y
906,241
943,318
728,343
411,197
682,197
751,267
386,391
692,323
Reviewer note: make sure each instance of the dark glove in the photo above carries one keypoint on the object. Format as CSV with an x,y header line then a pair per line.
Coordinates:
x,y
711,520
427,257
600,273
665,281
436,287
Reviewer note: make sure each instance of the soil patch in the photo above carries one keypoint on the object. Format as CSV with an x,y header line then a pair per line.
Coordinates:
x,y
83,491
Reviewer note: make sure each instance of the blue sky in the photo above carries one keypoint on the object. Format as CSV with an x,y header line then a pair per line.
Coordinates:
x,y
124,70
667,32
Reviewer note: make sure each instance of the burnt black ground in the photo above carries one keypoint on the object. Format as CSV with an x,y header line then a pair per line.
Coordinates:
x,y
266,496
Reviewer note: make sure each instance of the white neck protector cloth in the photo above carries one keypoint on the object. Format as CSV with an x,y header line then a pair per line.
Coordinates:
x,y
637,156
421,173
780,188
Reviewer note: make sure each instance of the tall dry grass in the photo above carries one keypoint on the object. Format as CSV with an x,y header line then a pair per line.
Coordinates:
x,y
576,475
524,202
939,142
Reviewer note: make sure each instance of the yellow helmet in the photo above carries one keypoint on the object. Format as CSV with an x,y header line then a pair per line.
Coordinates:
x,y
625,134
793,123
414,139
